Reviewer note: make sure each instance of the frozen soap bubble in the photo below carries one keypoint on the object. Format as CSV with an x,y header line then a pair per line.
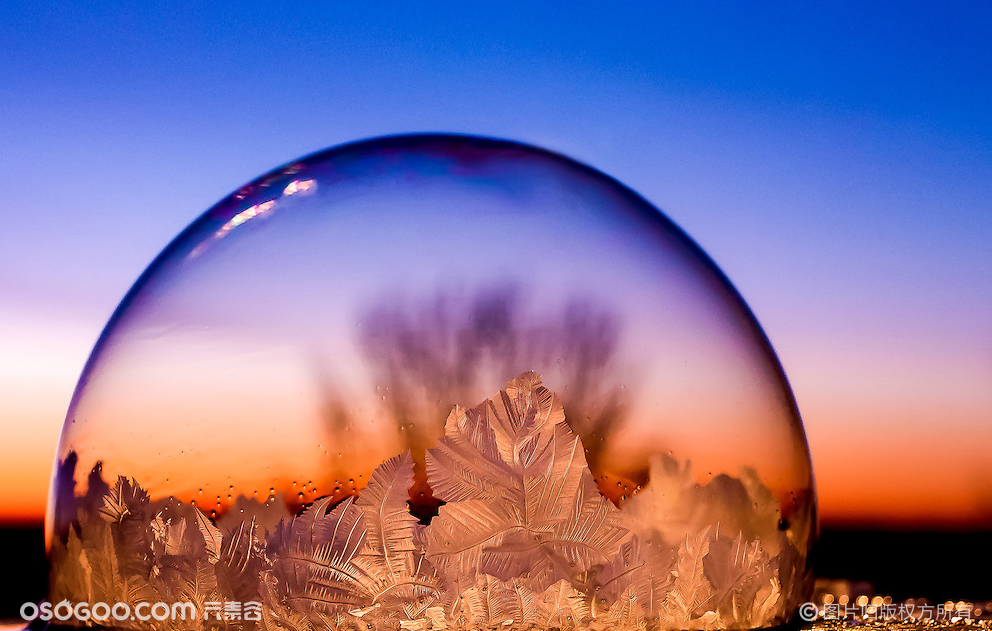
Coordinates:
x,y
430,382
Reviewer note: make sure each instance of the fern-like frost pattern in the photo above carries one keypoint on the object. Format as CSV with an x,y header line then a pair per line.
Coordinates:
x,y
524,540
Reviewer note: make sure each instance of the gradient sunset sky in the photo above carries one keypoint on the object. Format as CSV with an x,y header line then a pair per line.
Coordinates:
x,y
834,160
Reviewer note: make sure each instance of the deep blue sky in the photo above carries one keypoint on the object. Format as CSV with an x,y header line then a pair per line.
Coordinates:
x,y
835,160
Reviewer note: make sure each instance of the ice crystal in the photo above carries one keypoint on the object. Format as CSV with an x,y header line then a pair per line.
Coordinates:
x,y
128,549
521,502
524,540
358,558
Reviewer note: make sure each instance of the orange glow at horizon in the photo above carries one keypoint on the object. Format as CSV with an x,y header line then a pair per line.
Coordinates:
x,y
926,477
899,430
882,460
40,361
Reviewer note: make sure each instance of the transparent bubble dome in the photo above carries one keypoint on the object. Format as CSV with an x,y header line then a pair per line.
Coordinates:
x,y
430,382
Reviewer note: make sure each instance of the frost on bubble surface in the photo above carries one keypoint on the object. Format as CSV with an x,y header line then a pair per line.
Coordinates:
x,y
523,540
